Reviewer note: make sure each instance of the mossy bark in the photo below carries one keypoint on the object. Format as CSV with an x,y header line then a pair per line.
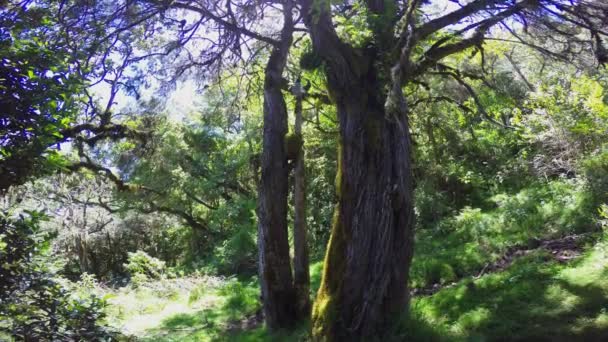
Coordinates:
x,y
365,278
364,285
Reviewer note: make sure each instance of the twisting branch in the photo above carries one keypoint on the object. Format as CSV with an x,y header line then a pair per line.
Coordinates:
x,y
121,185
452,18
436,53
225,24
458,78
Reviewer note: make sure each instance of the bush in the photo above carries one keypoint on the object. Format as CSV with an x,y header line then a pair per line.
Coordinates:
x,y
240,298
431,204
237,255
34,306
595,170
603,212
142,266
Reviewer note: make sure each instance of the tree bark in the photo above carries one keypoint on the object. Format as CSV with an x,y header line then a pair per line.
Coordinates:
x,y
300,241
276,280
365,277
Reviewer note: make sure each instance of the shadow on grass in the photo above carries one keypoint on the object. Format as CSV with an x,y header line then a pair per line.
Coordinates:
x,y
215,325
535,299
235,318
530,301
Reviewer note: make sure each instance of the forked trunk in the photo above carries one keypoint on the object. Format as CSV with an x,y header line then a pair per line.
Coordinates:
x,y
365,276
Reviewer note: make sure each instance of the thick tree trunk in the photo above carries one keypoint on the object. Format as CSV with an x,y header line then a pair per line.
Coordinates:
x,y
300,241
365,278
276,280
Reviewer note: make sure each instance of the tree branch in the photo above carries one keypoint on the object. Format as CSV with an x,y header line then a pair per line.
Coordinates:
x,y
227,25
436,53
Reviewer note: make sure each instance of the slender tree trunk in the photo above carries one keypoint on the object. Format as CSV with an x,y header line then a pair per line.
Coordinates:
x,y
82,242
365,278
300,241
431,134
276,280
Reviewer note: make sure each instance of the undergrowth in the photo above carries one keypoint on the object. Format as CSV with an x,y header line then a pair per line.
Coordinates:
x,y
534,298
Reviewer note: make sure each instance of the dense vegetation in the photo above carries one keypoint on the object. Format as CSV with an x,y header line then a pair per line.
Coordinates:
x,y
303,170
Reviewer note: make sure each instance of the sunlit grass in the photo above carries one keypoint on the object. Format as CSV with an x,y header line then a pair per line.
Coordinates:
x,y
536,299
463,244
135,311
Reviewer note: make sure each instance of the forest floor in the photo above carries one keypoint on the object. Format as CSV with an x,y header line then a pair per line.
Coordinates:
x,y
534,297
530,268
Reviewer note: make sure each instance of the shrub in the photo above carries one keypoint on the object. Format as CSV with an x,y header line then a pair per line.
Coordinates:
x,y
34,306
603,212
236,255
431,204
595,170
142,266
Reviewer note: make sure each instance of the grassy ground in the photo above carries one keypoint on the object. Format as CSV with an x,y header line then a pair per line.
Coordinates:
x,y
190,309
534,298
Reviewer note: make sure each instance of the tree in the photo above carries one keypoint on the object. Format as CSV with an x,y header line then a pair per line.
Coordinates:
x,y
301,262
276,279
364,284
374,55
99,32
37,92
49,67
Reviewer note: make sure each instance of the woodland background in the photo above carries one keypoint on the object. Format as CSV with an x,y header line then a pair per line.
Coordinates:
x,y
130,211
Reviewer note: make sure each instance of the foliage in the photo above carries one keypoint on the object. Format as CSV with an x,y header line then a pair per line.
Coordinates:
x,y
39,91
595,169
568,122
140,264
509,149
462,244
33,305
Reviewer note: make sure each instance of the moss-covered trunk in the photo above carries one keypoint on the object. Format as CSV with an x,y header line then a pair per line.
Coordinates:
x,y
276,280
364,285
365,278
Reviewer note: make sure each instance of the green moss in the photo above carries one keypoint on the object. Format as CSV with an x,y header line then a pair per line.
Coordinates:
x,y
338,181
293,145
325,306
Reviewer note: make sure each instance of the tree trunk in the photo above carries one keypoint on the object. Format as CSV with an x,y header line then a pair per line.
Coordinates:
x,y
365,278
300,241
366,267
82,242
276,280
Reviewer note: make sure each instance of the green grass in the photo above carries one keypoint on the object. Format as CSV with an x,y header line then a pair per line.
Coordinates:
x,y
463,244
189,309
534,299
